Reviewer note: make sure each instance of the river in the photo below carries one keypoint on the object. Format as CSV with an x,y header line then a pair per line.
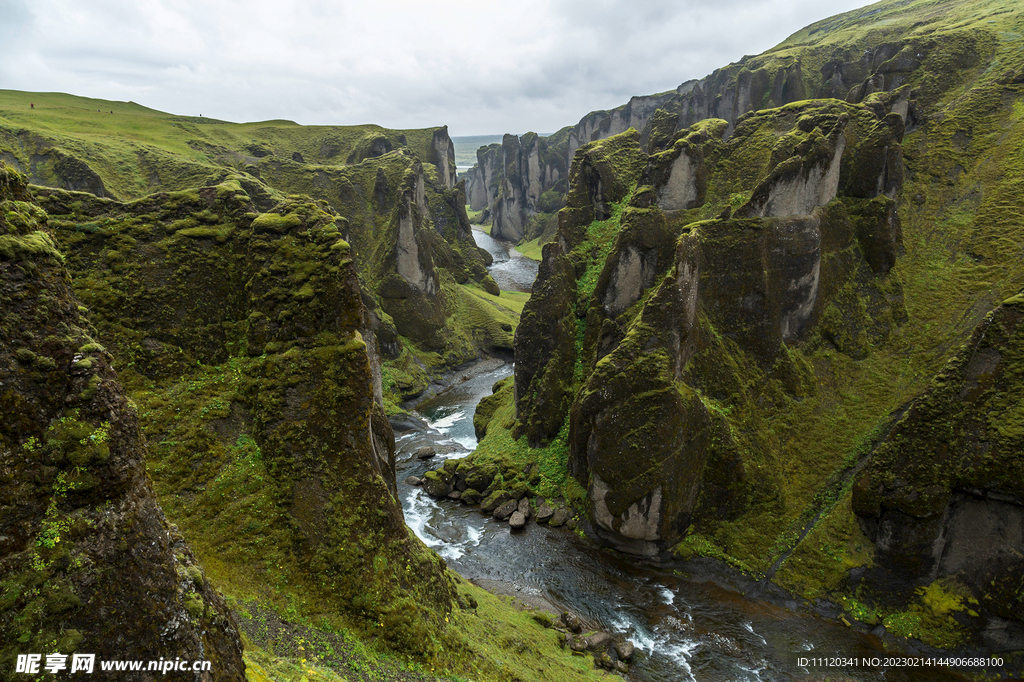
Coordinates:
x,y
511,270
687,628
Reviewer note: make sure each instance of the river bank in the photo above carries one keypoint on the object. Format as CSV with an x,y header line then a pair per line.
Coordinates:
x,y
696,620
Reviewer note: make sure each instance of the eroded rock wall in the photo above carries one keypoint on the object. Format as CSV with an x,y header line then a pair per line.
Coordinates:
x,y
729,94
202,278
88,562
679,279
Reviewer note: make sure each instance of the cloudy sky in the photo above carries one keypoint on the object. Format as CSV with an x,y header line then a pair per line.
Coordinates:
x,y
479,66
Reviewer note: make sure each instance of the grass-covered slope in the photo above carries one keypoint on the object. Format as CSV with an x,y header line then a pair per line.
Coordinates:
x,y
737,343
129,150
394,192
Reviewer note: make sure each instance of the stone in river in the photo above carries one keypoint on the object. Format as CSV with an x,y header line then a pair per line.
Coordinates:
x,y
505,510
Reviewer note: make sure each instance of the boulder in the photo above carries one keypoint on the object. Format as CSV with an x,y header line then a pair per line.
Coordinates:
x,y
559,518
517,521
454,495
426,452
495,500
506,510
625,650
572,622
524,508
518,490
470,496
413,480
437,483
476,477
598,640
544,512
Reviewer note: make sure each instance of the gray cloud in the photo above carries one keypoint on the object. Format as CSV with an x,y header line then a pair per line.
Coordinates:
x,y
479,67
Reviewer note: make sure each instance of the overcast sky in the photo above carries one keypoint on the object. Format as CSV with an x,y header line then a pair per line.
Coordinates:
x,y
478,66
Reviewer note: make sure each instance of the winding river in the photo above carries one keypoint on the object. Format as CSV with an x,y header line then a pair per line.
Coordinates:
x,y
511,270
685,627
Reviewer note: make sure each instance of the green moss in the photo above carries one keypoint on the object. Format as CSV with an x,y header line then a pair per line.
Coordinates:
x,y
932,617
500,450
820,565
274,222
32,245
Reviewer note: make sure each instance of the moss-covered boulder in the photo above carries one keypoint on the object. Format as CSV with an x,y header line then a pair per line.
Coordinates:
x,y
88,562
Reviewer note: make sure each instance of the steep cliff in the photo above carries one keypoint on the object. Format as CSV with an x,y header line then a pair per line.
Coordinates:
x,y
518,179
401,211
788,73
248,341
735,311
657,294
88,564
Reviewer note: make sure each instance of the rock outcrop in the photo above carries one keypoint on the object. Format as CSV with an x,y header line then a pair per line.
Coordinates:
x,y
517,179
274,299
442,155
634,328
88,562
729,93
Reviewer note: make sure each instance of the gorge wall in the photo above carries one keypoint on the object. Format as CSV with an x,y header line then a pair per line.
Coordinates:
x,y
402,213
674,292
272,299
509,181
88,563
269,294
734,328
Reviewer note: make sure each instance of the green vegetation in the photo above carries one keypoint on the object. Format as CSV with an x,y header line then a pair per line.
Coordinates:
x,y
792,423
654,350
501,451
132,151
508,301
532,249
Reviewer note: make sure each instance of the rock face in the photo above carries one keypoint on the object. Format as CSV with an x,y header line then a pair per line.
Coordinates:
x,y
517,179
544,366
942,497
89,563
276,296
442,155
404,213
505,180
598,125
626,338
